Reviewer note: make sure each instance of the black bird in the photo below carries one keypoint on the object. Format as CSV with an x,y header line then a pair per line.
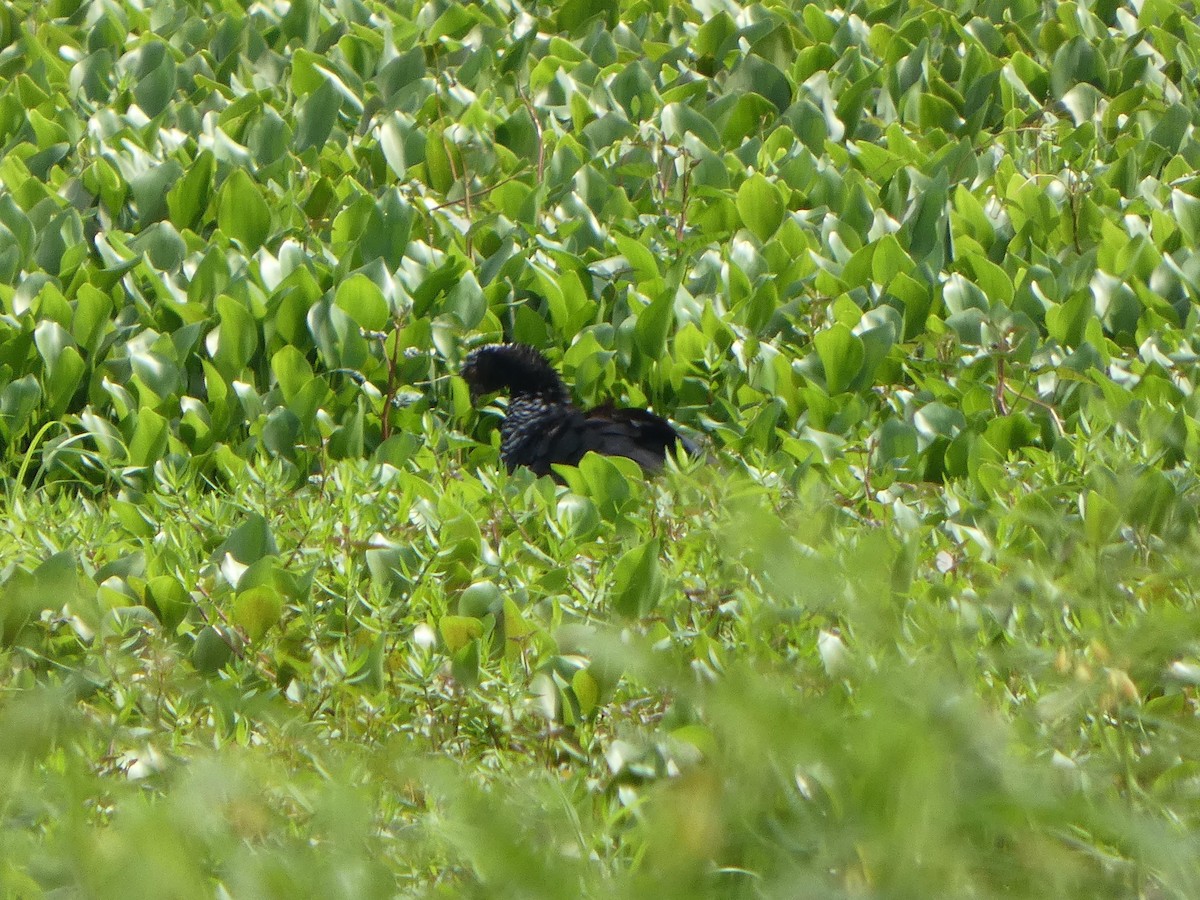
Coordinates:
x,y
543,426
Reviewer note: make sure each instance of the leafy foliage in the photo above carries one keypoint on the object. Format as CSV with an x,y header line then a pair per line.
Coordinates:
x,y
925,278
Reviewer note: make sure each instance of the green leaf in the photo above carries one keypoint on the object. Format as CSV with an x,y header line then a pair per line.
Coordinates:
x,y
644,264
169,599
638,581
459,631
250,542
464,665
1101,519
150,189
19,400
654,325
237,337
1186,210
889,260
212,651
315,116
154,68
188,198
363,301
292,371
480,599
256,610
760,206
149,440
164,248
755,74
841,354
242,213
587,690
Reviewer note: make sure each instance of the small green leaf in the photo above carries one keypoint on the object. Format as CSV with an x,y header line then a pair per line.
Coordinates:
x,y
211,651
587,690
256,610
480,599
169,599
760,206
363,301
841,354
242,213
638,581
1100,518
188,199
459,631
149,441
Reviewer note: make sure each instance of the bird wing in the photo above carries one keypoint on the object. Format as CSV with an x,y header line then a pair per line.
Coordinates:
x,y
634,433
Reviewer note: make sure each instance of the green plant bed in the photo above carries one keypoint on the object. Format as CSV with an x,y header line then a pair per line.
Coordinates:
x,y
921,279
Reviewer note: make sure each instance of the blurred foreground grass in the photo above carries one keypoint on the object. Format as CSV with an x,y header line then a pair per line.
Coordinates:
x,y
722,683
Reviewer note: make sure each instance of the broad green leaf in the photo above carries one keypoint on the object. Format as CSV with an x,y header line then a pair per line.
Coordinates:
x,y
654,324
150,189
291,371
841,354
480,599
363,301
149,440
644,264
316,115
212,650
169,599
256,610
188,198
760,206
459,631
638,581
248,542
236,338
242,213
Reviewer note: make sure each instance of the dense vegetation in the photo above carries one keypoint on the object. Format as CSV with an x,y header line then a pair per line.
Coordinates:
x,y
924,279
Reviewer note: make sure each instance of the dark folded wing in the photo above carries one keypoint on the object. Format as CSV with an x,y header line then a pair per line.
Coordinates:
x,y
542,435
635,433
563,441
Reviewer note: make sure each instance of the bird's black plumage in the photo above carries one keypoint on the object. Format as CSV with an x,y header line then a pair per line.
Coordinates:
x,y
543,426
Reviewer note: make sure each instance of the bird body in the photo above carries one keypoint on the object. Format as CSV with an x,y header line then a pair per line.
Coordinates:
x,y
543,427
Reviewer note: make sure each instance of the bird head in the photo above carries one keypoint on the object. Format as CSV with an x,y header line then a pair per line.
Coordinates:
x,y
517,368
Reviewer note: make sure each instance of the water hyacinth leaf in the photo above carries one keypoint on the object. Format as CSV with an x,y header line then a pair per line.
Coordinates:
x,y
654,324
841,353
638,581
235,339
760,206
756,74
292,371
362,301
163,247
242,213
459,631
316,116
154,69
19,400
188,198
249,542
169,599
212,650
150,190
256,610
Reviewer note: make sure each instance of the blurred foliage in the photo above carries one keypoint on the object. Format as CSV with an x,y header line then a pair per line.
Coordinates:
x,y
923,276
